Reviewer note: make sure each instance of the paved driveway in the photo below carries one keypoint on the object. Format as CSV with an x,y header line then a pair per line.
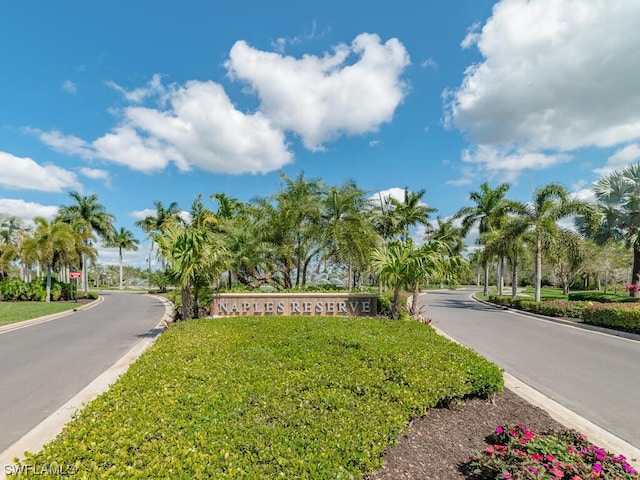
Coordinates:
x,y
596,375
43,366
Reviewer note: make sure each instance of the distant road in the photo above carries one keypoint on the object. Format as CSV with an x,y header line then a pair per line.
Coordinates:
x,y
595,375
45,365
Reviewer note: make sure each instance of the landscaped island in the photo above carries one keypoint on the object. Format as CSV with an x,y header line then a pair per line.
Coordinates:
x,y
264,398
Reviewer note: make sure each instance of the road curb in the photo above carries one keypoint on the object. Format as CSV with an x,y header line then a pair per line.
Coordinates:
x,y
566,417
49,428
12,327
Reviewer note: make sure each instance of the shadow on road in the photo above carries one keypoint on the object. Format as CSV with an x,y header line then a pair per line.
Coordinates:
x,y
444,300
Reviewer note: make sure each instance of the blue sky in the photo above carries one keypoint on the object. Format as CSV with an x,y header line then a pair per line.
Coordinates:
x,y
143,101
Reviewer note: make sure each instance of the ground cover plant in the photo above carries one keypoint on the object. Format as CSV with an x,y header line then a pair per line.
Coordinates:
x,y
514,452
264,398
11,312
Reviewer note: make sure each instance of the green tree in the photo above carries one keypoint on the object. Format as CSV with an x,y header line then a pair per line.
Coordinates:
x,y
122,239
89,210
160,222
411,211
567,257
195,256
488,212
392,264
348,233
50,243
618,206
550,204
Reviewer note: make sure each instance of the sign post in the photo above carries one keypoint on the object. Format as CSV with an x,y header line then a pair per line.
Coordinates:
x,y
77,276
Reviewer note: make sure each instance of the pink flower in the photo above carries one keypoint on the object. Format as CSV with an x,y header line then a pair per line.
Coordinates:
x,y
499,430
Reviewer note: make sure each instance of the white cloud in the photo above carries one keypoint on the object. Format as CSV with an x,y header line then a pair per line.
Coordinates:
x,y
154,87
68,144
23,173
140,214
396,193
97,174
508,164
195,124
620,160
204,128
69,86
199,127
323,98
27,210
556,75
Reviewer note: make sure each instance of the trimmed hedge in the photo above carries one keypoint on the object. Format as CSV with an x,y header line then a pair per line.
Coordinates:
x,y
14,289
265,398
551,308
624,317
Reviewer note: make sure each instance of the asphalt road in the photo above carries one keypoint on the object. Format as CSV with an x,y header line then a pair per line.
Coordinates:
x,y
45,365
593,374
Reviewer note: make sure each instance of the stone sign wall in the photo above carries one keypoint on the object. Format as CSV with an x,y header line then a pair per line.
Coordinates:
x,y
332,304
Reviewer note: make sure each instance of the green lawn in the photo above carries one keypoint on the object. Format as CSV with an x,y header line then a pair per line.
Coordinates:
x,y
546,293
11,312
263,398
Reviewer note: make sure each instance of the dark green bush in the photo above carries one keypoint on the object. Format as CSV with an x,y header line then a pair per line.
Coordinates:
x,y
385,303
625,317
263,398
14,289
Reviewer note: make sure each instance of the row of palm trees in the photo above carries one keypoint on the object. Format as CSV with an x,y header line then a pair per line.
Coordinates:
x,y
63,244
279,241
510,230
309,227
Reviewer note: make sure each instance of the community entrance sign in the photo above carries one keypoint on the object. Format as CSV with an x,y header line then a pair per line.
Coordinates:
x,y
326,304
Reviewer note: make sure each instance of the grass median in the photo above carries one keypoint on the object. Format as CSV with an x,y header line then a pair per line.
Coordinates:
x,y
264,398
12,312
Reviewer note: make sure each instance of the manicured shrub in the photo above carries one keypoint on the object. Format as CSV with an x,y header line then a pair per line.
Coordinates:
x,y
517,453
625,316
14,289
268,397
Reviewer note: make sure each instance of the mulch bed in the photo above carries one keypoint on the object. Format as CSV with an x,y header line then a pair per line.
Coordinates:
x,y
436,446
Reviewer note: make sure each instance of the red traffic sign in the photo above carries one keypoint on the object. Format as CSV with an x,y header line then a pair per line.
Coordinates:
x,y
75,274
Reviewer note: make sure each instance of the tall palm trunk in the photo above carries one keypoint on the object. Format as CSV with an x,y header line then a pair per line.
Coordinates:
x,y
514,278
49,269
500,275
485,290
121,276
538,269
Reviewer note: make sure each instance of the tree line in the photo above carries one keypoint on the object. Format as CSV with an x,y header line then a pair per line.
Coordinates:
x,y
308,228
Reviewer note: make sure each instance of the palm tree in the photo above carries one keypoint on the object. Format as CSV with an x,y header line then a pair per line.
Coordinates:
x,y
50,243
410,212
194,259
88,209
160,222
618,205
393,265
489,210
508,242
347,230
123,239
550,204
12,233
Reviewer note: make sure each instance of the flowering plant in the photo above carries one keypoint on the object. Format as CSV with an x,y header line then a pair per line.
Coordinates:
x,y
632,287
518,453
